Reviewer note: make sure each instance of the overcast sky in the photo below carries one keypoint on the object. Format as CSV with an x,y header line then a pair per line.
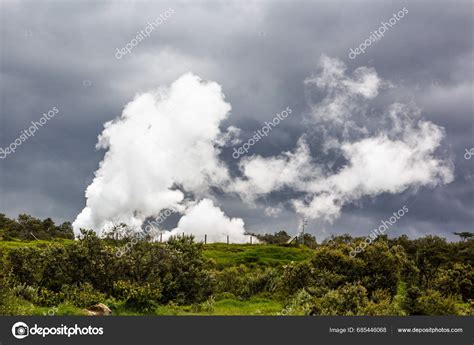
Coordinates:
x,y
62,54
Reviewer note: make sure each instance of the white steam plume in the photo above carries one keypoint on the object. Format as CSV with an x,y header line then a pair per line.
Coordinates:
x,y
206,219
384,154
163,139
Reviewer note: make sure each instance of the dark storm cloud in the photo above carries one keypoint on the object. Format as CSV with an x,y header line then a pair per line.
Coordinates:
x,y
62,54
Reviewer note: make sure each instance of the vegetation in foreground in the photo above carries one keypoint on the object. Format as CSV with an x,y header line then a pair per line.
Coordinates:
x,y
56,275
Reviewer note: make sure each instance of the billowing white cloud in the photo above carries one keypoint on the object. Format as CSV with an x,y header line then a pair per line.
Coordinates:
x,y
379,165
384,154
273,211
206,219
265,175
164,139
342,93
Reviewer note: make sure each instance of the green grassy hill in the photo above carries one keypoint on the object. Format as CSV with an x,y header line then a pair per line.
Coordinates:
x,y
18,243
255,254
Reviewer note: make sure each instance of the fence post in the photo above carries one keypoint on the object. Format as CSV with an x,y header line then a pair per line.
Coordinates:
x,y
205,239
161,237
227,239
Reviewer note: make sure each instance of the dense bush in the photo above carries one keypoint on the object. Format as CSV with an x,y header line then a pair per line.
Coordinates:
x,y
280,237
244,282
426,276
48,298
232,280
382,267
432,302
8,302
92,263
302,303
296,276
381,303
26,292
82,295
186,280
349,299
458,279
138,297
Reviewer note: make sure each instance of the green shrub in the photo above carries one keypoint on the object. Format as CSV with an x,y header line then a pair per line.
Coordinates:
x,y
300,304
381,303
263,280
206,306
82,295
143,298
26,292
245,282
350,299
48,298
458,280
233,280
433,303
186,281
224,295
296,276
8,302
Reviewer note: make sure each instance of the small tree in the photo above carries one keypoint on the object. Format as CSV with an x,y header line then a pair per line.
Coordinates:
x,y
464,235
280,237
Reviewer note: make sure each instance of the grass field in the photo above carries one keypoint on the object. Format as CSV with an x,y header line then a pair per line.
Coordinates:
x,y
256,254
253,306
28,308
18,244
